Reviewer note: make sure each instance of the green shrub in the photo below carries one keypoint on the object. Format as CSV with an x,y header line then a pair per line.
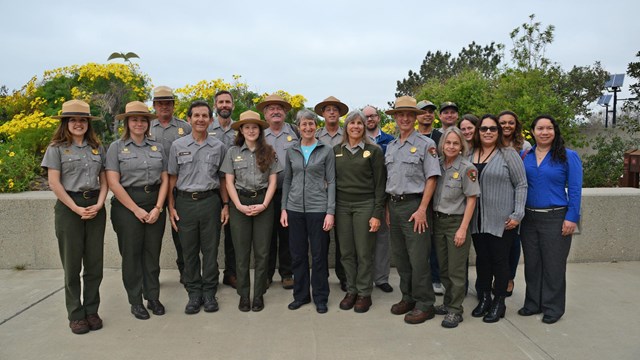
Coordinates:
x,y
18,168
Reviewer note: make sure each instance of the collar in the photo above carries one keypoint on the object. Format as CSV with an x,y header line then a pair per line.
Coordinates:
x,y
360,145
324,131
456,163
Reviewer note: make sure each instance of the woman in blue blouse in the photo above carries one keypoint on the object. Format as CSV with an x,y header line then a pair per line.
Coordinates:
x,y
551,215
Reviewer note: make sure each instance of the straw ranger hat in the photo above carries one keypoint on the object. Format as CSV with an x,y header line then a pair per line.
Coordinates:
x,y
75,108
342,108
163,93
249,117
136,108
405,103
273,99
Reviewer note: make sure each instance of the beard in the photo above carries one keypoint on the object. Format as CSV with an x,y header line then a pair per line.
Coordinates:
x,y
224,113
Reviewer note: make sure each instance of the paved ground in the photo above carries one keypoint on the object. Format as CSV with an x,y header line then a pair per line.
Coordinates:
x,y
602,322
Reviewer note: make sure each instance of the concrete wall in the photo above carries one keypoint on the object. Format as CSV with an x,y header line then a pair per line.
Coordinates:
x,y
609,231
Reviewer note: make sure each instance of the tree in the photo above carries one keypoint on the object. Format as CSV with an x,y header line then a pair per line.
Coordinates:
x,y
529,48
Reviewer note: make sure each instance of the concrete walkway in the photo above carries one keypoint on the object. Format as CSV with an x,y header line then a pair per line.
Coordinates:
x,y
602,322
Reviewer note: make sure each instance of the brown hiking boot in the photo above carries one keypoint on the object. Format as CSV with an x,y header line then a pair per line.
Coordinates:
x,y
95,323
79,326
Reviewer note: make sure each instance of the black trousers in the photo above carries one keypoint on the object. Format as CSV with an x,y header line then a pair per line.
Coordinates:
x,y
492,261
545,261
279,252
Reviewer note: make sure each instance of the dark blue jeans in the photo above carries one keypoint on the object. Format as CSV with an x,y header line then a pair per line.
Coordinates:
x,y
305,231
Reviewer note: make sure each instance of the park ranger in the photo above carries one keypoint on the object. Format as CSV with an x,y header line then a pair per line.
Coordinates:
x,y
221,129
137,175
196,210
412,169
165,130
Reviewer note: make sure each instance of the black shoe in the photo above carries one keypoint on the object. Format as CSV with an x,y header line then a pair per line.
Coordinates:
x,y
230,280
193,306
548,319
245,304
385,287
497,310
258,304
156,307
343,285
295,305
483,305
210,304
322,308
526,312
140,312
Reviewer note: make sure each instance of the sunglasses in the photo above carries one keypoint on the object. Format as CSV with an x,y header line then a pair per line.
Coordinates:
x,y
488,128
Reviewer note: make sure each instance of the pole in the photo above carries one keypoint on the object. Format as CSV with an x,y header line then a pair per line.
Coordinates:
x,y
606,116
615,105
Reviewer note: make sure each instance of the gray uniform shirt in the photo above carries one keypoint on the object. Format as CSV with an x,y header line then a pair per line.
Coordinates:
x,y
281,142
167,135
410,164
79,166
138,165
226,136
323,135
455,185
241,162
196,165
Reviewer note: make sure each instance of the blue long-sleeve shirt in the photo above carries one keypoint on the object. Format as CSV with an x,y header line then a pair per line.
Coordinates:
x,y
547,183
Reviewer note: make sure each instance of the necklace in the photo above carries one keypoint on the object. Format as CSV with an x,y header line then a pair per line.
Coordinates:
x,y
487,157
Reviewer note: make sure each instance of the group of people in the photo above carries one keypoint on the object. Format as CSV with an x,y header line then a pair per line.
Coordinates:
x,y
280,189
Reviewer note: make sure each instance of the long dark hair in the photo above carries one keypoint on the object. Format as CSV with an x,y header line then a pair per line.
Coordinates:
x,y
476,135
62,136
558,151
265,155
518,139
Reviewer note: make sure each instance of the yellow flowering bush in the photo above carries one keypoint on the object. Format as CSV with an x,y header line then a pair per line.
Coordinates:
x,y
297,101
32,132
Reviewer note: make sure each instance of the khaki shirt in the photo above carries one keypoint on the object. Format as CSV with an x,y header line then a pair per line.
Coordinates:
x,y
79,166
323,135
138,165
281,142
241,162
167,135
196,165
454,186
226,136
410,164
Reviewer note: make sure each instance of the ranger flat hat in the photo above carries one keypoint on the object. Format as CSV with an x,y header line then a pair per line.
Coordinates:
x,y
136,108
342,107
273,99
249,117
426,104
163,93
405,103
75,108
448,104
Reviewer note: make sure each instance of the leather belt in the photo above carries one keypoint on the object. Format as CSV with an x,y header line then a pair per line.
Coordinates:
x,y
197,195
89,194
443,215
547,210
405,197
147,188
251,193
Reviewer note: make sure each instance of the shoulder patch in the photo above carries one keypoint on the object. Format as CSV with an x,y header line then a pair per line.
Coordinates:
x,y
433,152
472,174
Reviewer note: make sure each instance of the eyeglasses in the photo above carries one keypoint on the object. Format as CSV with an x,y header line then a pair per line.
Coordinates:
x,y
488,128
372,116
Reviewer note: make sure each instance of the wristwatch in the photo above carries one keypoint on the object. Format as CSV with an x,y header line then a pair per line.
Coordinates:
x,y
160,209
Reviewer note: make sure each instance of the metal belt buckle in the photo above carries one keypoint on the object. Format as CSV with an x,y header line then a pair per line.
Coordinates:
x,y
146,190
255,194
85,194
194,196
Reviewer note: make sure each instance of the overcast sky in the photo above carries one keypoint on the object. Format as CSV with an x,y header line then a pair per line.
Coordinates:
x,y
354,50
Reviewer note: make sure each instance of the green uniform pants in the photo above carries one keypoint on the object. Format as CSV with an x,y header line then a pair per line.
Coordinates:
x,y
139,244
452,259
199,230
248,231
357,244
410,251
81,245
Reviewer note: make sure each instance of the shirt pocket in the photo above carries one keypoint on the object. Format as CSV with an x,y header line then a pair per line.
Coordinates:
x,y
412,166
213,164
155,164
185,163
70,164
452,189
127,162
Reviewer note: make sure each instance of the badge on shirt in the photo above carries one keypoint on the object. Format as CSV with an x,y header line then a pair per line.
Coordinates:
x,y
183,153
289,138
67,152
125,150
238,158
455,175
180,131
413,149
366,154
95,151
472,174
212,133
154,148
433,152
